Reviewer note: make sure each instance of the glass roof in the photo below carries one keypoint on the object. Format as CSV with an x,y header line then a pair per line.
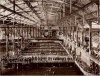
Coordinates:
x,y
43,10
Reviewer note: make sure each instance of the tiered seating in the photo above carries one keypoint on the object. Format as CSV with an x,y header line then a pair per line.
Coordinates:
x,y
40,52
45,49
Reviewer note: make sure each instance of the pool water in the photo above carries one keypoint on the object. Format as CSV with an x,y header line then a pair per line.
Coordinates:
x,y
45,69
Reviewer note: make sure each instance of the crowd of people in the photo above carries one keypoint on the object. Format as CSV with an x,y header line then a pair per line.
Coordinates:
x,y
93,68
82,65
32,59
96,53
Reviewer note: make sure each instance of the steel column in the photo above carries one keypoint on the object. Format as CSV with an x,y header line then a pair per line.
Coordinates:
x,y
90,37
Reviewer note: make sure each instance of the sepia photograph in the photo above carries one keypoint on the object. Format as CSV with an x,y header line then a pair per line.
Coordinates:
x,y
50,37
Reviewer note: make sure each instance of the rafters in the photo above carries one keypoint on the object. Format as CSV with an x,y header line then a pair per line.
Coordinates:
x,y
85,6
15,12
21,9
31,8
35,10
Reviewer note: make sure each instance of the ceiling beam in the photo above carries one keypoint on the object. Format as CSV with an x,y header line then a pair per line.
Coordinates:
x,y
31,8
79,8
7,15
85,6
20,8
37,0
15,12
91,13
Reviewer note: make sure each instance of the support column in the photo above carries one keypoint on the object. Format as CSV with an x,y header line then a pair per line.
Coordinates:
x,y
60,14
68,31
37,30
75,27
83,29
2,34
64,9
70,28
73,33
27,31
77,36
90,37
14,25
70,17
33,32
98,15
70,6
82,35
7,40
21,36
63,29
13,34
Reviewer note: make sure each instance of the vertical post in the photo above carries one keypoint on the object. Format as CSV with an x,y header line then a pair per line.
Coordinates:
x,y
98,15
30,32
99,38
21,36
70,6
46,18
33,32
60,14
24,31
75,26
70,27
77,35
66,28
73,33
13,34
90,37
0,41
7,39
63,28
64,9
70,17
18,33
36,31
83,28
27,31
14,6
82,35
13,24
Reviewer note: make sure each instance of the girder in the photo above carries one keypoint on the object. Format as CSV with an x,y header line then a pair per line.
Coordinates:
x,y
85,6
14,12
31,8
21,9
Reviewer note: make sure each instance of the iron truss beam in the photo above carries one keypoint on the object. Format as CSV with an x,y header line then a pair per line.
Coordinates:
x,y
15,12
31,8
85,6
20,8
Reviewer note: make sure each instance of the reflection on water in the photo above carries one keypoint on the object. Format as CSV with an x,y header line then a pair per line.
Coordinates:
x,y
41,69
47,69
